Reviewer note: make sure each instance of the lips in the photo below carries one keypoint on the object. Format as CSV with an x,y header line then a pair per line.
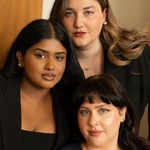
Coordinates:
x,y
95,133
79,34
48,76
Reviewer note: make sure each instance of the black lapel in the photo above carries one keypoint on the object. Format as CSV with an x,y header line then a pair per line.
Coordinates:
x,y
62,123
121,73
11,114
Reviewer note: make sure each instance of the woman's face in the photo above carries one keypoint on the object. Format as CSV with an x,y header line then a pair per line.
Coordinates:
x,y
83,21
44,63
99,124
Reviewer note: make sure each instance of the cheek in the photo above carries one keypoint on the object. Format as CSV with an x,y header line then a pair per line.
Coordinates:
x,y
33,66
82,123
96,23
112,122
61,68
66,23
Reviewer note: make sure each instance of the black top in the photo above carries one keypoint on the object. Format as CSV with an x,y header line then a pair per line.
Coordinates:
x,y
72,146
37,141
10,116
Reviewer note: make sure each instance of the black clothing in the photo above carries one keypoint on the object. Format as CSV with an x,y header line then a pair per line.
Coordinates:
x,y
38,141
10,116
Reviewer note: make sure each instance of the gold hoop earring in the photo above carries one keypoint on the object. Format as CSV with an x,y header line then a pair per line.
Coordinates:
x,y
19,65
105,23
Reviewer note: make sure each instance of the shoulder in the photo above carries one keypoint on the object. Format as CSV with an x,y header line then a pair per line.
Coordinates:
x,y
72,146
146,52
142,63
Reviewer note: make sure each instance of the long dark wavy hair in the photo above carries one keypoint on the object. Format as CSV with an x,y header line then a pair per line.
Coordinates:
x,y
128,43
106,88
33,33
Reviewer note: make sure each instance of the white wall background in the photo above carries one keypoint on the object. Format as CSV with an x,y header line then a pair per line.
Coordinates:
x,y
130,14
47,6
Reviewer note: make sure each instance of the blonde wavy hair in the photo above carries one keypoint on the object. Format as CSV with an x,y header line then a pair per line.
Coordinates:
x,y
128,43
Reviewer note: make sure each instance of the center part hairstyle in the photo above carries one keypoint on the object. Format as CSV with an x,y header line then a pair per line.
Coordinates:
x,y
33,33
127,43
106,88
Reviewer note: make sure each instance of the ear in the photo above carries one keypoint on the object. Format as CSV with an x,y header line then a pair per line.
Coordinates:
x,y
123,114
20,58
104,15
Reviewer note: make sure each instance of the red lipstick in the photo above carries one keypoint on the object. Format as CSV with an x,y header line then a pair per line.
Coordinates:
x,y
48,76
95,133
79,34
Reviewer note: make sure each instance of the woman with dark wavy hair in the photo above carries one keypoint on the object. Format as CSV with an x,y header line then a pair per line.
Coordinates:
x,y
104,117
35,73
102,46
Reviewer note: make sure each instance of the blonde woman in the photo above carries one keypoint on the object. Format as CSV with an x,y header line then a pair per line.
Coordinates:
x,y
104,47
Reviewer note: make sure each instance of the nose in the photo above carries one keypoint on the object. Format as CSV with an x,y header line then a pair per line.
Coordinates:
x,y
78,23
94,120
50,64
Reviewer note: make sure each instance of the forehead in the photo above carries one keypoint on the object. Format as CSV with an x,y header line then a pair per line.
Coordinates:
x,y
95,100
49,45
82,3
97,103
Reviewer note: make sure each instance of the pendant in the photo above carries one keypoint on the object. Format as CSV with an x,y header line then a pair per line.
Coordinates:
x,y
87,68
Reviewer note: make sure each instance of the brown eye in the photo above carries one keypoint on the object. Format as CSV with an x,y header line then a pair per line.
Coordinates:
x,y
59,58
40,56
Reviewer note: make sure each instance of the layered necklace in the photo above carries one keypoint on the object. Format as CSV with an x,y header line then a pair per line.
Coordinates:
x,y
88,68
34,106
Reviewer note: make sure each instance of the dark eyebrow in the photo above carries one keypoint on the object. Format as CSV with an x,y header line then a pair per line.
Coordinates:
x,y
39,49
83,8
61,53
99,106
89,7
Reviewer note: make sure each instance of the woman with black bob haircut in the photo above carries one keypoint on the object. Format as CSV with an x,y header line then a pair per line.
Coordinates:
x,y
38,68
104,117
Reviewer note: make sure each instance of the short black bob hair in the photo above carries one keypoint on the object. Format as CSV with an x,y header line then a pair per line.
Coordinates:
x,y
33,33
106,88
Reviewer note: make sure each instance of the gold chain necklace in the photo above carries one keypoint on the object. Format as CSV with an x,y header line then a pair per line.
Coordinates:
x,y
88,68
44,117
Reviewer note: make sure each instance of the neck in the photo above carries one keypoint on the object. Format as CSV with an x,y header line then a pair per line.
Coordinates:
x,y
86,146
36,95
89,51
91,59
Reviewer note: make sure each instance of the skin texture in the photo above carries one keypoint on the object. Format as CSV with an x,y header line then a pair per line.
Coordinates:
x,y
47,56
87,17
44,64
102,118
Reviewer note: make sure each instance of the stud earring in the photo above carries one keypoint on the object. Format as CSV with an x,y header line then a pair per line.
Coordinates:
x,y
123,119
19,65
105,23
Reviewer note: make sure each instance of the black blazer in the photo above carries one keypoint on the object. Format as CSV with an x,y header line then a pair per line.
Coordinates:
x,y
135,78
72,146
10,116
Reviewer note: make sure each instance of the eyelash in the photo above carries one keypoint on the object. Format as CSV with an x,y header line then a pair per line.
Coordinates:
x,y
89,12
106,110
68,14
83,112
59,58
86,112
40,55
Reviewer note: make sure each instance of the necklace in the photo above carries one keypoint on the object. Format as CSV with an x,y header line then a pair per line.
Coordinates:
x,y
88,68
44,117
